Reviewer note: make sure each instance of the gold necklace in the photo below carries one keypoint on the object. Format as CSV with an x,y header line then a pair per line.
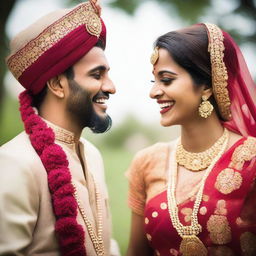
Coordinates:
x,y
190,245
199,161
96,239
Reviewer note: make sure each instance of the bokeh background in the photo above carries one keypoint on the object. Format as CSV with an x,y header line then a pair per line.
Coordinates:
x,y
133,25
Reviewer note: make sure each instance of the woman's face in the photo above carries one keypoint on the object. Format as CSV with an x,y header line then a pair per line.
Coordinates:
x,y
175,92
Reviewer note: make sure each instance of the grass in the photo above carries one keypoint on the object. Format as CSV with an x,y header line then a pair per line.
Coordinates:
x,y
116,163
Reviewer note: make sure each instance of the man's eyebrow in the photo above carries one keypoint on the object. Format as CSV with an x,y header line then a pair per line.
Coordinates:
x,y
99,68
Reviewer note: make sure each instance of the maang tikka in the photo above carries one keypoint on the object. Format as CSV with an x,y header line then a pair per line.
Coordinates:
x,y
154,56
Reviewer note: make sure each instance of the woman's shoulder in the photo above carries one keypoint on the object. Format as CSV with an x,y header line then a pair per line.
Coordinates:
x,y
238,139
156,152
244,150
246,146
151,150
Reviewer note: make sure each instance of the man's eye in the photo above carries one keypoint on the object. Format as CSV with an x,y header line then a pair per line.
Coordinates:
x,y
96,76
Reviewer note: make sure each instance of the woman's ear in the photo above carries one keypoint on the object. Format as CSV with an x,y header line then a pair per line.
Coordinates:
x,y
207,93
56,86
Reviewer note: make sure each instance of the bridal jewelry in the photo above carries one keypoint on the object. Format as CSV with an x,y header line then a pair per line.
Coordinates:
x,y
205,108
190,245
199,161
154,56
95,238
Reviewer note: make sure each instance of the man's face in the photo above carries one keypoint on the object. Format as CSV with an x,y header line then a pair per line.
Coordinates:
x,y
88,91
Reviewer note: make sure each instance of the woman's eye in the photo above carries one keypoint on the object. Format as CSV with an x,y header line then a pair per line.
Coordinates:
x,y
166,81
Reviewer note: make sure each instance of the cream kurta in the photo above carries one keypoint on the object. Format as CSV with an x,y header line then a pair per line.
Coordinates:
x,y
26,214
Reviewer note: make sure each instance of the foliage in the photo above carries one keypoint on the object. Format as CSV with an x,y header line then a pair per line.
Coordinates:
x,y
10,124
192,11
5,9
129,6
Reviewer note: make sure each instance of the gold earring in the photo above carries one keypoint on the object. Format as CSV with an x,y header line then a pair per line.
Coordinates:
x,y
205,108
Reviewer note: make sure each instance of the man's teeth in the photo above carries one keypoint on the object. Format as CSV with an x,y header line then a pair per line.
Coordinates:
x,y
166,104
101,101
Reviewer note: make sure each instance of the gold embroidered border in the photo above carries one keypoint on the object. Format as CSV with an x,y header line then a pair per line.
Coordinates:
x,y
219,70
83,14
244,152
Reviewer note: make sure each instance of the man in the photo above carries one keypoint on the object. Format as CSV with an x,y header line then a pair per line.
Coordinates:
x,y
53,197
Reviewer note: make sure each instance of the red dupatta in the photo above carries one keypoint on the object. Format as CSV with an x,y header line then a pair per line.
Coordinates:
x,y
241,89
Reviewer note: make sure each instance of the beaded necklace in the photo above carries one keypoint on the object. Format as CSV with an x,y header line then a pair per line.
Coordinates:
x,y
190,245
96,238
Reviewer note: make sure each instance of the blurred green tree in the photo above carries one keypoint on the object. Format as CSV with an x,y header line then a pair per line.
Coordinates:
x,y
192,11
4,14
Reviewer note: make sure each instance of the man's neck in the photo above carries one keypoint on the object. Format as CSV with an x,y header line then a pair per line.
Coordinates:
x,y
60,119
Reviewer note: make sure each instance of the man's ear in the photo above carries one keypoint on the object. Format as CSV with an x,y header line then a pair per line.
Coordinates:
x,y
56,85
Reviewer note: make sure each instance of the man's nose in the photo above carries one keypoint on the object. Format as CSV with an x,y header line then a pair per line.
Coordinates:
x,y
109,86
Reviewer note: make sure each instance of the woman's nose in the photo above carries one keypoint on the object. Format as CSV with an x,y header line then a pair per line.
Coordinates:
x,y
155,92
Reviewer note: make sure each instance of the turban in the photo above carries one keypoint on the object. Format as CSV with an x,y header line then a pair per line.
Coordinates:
x,y
53,44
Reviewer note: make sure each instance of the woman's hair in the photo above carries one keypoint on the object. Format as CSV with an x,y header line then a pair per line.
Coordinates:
x,y
189,49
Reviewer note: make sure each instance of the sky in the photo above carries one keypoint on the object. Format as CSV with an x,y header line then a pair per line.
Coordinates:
x,y
129,46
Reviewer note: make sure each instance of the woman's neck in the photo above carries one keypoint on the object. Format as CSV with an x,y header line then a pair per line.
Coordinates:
x,y
197,137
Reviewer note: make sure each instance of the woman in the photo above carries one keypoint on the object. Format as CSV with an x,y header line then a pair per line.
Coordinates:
x,y
196,195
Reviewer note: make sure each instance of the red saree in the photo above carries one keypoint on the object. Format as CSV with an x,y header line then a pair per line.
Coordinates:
x,y
228,227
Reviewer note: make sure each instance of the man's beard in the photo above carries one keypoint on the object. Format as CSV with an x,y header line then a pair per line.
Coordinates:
x,y
80,106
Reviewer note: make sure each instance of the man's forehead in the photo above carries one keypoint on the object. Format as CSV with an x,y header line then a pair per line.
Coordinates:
x,y
95,57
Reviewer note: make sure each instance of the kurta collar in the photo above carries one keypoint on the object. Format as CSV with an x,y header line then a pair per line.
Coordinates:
x,y
61,134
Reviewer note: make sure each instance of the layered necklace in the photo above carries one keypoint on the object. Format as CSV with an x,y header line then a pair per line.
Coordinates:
x,y
96,237
199,161
190,245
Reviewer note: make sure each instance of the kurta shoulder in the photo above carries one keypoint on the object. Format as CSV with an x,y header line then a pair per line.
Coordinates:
x,y
20,150
19,162
19,194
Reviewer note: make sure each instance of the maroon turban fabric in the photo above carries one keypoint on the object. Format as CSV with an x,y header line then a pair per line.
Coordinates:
x,y
57,47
